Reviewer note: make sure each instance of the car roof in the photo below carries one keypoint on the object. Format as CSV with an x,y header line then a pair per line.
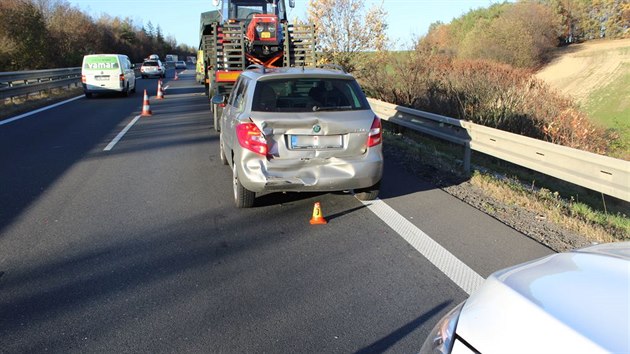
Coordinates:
x,y
261,74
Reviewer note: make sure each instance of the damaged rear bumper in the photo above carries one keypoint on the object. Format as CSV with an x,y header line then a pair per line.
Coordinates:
x,y
311,175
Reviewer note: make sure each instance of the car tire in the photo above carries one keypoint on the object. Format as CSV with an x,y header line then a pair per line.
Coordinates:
x,y
125,92
222,156
243,198
144,76
369,193
88,94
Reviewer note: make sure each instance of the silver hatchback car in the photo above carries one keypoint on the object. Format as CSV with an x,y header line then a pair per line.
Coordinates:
x,y
300,130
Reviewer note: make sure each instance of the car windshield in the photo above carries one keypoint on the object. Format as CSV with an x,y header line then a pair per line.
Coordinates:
x,y
242,9
308,95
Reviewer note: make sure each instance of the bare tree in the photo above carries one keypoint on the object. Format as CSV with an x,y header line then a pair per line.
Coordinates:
x,y
346,31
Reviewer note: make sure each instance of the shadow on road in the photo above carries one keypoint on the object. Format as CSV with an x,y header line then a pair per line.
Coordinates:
x,y
387,342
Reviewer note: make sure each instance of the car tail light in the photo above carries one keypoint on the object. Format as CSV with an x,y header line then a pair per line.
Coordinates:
x,y
83,80
122,77
375,136
251,138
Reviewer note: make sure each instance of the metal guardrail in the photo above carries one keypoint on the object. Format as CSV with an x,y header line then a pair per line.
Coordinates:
x,y
603,174
26,82
20,83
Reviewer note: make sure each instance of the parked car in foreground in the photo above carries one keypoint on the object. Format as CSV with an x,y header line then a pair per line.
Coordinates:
x,y
573,302
152,68
107,73
299,130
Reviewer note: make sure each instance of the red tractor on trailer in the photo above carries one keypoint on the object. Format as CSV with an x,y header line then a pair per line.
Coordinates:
x,y
245,32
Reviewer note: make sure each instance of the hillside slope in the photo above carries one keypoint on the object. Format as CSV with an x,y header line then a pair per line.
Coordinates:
x,y
597,75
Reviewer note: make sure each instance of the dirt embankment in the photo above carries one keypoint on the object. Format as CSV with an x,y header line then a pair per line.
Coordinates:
x,y
580,69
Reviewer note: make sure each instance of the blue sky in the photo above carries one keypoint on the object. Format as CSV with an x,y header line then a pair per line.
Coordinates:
x,y
180,18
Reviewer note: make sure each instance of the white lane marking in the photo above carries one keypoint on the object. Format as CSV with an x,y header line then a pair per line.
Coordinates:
x,y
166,87
121,134
456,270
7,121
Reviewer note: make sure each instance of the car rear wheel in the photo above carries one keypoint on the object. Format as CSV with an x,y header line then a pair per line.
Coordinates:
x,y
88,95
243,197
369,193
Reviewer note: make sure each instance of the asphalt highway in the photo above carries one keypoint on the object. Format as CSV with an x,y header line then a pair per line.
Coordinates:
x,y
113,242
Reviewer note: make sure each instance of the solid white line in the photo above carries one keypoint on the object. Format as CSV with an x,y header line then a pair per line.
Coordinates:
x,y
121,134
456,270
7,121
166,87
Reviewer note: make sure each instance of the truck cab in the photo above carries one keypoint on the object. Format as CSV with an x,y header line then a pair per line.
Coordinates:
x,y
263,21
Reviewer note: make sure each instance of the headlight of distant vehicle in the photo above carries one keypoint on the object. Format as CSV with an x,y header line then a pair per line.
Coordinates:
x,y
442,337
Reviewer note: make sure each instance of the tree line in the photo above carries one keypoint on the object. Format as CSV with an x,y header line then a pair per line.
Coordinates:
x,y
45,34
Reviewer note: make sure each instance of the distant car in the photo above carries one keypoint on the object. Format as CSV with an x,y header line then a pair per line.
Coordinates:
x,y
152,68
299,130
170,64
154,57
180,64
573,302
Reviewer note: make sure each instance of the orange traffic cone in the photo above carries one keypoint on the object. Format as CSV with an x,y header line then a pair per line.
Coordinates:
x,y
160,92
176,78
317,218
146,109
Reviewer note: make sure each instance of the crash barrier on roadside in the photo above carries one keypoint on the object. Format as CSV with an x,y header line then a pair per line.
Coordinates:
x,y
20,83
603,174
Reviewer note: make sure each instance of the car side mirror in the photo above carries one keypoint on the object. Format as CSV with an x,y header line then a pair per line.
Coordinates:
x,y
218,99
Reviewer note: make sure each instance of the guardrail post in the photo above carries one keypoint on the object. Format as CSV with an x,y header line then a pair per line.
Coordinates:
x,y
467,154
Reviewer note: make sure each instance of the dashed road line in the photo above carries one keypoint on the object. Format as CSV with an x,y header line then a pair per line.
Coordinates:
x,y
121,134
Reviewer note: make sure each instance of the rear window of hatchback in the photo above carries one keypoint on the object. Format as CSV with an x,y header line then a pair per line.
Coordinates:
x,y
308,95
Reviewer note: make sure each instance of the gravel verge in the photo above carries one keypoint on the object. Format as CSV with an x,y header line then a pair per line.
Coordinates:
x,y
523,220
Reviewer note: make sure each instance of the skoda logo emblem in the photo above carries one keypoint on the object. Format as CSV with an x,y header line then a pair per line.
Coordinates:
x,y
316,128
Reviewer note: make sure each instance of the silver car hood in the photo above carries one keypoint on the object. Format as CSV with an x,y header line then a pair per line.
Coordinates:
x,y
576,302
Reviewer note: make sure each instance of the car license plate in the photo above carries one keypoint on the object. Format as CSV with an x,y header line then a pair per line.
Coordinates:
x,y
316,141
265,35
101,77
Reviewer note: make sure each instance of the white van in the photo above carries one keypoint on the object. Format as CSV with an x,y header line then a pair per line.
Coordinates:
x,y
106,73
